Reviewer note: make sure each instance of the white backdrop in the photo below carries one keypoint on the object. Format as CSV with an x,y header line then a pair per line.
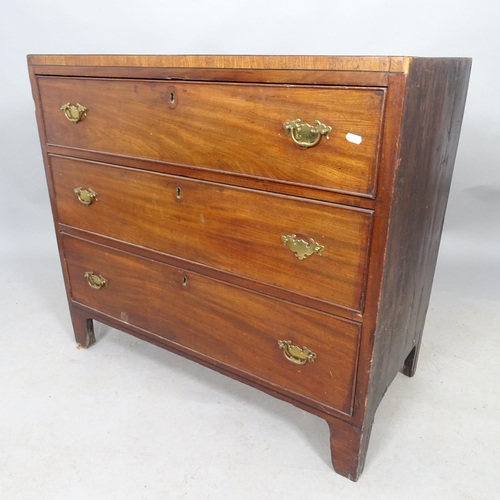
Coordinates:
x,y
469,261
471,244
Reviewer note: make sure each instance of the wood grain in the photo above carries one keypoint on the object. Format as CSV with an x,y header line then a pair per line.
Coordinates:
x,y
235,327
225,127
228,228
333,63
297,76
220,303
388,165
234,279
435,92
270,185
83,326
348,445
424,115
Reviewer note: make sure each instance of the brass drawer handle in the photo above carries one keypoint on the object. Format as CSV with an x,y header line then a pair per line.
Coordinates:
x,y
301,248
305,135
295,354
74,113
95,281
85,196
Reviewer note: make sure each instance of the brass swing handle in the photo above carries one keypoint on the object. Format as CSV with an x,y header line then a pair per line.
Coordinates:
x,y
300,247
74,112
95,281
85,196
295,354
305,135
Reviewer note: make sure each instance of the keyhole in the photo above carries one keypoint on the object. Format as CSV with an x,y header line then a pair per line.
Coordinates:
x,y
172,98
178,194
184,281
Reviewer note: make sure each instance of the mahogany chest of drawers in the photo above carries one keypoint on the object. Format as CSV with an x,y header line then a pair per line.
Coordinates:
x,y
274,218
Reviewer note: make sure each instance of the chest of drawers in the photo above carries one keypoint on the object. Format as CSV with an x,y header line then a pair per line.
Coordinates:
x,y
274,218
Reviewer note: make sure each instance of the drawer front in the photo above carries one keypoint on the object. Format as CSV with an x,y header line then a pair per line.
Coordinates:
x,y
233,327
236,128
236,230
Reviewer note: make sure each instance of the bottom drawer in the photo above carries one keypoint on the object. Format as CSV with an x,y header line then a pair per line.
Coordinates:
x,y
231,326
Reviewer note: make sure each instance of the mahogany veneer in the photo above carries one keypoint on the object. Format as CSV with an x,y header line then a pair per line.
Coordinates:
x,y
187,216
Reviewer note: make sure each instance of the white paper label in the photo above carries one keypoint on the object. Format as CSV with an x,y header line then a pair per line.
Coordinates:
x,y
355,139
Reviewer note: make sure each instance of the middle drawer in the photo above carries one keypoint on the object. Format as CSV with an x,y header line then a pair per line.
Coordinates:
x,y
313,248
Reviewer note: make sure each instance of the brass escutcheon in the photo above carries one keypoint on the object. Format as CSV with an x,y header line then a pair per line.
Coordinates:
x,y
295,354
74,113
301,248
305,135
85,196
95,281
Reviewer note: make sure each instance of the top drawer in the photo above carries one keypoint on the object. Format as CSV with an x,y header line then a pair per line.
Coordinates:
x,y
235,128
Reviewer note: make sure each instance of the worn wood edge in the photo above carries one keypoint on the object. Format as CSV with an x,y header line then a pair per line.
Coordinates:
x,y
349,447
301,62
266,386
83,328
